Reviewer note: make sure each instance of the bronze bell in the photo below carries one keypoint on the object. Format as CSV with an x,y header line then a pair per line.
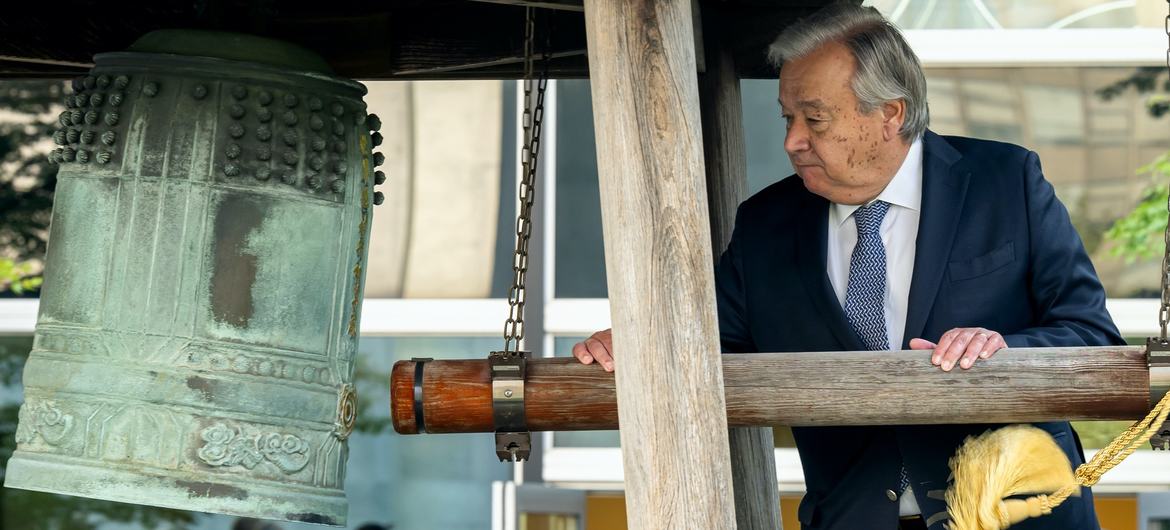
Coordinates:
x,y
199,318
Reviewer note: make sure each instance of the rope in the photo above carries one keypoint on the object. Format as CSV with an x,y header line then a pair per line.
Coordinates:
x,y
1124,445
1136,435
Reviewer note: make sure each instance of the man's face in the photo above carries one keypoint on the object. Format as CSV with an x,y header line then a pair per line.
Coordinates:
x,y
840,153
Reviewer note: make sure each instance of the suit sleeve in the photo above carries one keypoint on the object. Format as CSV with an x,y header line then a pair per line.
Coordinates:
x,y
731,297
1067,298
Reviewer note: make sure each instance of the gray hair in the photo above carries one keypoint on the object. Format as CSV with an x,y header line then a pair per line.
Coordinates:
x,y
887,69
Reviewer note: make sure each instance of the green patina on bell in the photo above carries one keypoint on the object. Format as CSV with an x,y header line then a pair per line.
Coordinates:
x,y
199,318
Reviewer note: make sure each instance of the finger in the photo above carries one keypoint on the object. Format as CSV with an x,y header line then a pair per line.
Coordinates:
x,y
582,353
598,350
944,343
955,350
606,338
974,349
922,344
993,345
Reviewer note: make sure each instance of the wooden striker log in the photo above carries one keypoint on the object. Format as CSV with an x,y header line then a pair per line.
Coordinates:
x,y
804,389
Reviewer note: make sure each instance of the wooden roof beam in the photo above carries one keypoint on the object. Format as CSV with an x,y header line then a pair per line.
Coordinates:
x,y
567,5
458,47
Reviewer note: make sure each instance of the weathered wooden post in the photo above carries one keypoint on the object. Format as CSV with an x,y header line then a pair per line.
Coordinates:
x,y
658,261
753,456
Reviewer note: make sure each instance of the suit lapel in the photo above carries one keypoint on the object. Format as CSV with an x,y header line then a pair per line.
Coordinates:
x,y
944,188
811,260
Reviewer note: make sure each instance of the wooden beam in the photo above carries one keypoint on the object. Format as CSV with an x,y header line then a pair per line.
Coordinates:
x,y
723,145
658,264
753,459
503,65
568,5
808,389
568,67
46,62
747,31
425,43
360,40
402,39
19,68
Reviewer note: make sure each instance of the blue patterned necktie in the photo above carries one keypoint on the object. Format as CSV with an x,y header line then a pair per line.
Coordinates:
x,y
865,296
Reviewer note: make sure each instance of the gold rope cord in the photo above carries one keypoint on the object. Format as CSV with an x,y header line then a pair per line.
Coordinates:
x,y
1022,459
985,472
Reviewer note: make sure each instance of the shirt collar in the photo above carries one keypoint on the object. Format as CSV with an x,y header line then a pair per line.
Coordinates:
x,y
904,190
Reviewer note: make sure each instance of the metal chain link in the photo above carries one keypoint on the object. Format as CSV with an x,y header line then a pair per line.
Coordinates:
x,y
533,118
1164,312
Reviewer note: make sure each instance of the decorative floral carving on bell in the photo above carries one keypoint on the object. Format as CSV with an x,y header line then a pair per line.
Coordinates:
x,y
228,446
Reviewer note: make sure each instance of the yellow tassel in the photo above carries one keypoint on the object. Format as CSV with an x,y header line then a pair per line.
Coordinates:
x,y
1014,460
1021,459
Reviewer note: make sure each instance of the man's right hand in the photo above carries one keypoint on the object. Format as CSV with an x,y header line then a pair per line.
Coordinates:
x,y
598,347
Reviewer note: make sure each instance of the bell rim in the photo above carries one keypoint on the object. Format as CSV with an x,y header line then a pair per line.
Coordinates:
x,y
36,472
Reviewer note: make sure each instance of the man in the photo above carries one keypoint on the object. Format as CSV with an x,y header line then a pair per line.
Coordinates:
x,y
893,237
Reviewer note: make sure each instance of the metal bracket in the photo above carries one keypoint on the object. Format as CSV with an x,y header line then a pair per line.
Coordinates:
x,y
1158,360
419,422
513,441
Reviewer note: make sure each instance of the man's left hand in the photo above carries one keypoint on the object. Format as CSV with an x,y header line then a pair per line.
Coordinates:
x,y
961,346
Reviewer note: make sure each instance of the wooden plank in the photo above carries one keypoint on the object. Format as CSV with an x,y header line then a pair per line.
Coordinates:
x,y
658,264
753,460
810,389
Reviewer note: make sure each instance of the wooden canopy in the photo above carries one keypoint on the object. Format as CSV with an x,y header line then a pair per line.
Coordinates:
x,y
671,163
366,39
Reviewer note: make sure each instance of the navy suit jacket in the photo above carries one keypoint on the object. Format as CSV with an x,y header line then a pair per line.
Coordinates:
x,y
995,249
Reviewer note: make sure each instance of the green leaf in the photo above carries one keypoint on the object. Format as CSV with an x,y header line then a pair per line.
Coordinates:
x,y
1140,234
18,277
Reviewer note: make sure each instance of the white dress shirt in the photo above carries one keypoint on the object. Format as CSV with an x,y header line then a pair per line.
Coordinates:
x,y
899,233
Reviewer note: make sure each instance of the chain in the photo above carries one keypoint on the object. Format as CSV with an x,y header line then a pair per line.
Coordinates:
x,y
533,118
1164,312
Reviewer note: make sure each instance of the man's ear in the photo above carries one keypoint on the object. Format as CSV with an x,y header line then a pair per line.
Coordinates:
x,y
893,116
